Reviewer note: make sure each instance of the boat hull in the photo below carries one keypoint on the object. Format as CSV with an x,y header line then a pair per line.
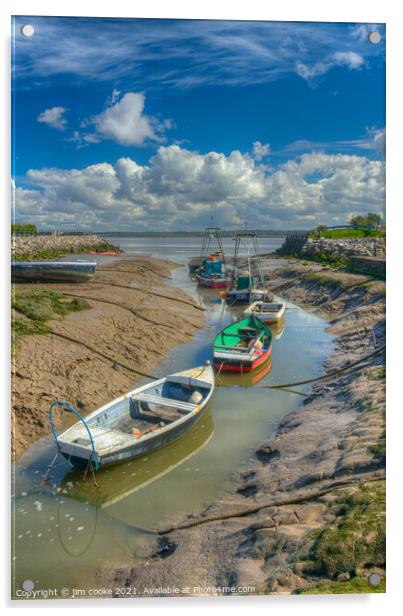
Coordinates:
x,y
138,448
106,253
266,312
211,283
99,437
236,297
242,346
228,364
54,271
194,264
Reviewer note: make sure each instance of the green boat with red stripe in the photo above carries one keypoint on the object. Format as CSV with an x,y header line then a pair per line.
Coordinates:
x,y
242,346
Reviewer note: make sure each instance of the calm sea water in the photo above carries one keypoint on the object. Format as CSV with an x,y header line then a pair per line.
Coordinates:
x,y
180,249
66,530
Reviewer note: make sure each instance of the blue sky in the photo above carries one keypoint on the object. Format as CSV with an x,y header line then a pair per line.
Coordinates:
x,y
139,124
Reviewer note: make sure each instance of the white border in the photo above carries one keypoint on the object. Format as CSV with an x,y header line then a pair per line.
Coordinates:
x,y
292,10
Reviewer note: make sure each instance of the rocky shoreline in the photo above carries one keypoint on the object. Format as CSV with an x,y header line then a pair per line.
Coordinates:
x,y
354,247
24,247
307,514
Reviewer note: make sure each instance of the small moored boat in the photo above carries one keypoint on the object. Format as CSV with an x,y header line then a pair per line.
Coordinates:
x,y
55,271
242,346
211,275
116,485
269,312
141,421
106,253
194,264
244,291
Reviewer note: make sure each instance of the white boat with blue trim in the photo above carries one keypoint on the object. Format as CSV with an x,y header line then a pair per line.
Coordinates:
x,y
142,420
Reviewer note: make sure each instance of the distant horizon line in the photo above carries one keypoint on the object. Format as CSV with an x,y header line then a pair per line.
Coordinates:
x,y
173,232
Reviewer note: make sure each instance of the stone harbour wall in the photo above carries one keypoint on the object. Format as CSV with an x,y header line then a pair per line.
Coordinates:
x,y
354,247
36,244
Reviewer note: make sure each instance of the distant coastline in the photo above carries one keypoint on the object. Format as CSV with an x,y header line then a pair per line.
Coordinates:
x,y
228,233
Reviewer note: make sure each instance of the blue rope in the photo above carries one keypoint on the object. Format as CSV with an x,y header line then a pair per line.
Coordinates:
x,y
95,457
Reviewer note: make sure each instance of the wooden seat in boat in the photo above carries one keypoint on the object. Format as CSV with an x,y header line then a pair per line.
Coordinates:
x,y
162,401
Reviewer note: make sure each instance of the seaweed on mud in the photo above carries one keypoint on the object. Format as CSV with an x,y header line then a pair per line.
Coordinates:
x,y
33,307
356,538
354,585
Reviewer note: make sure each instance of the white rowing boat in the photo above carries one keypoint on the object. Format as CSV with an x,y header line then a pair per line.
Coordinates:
x,y
144,419
268,312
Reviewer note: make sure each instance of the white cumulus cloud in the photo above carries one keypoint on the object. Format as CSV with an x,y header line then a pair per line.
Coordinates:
x,y
260,150
54,117
180,189
124,120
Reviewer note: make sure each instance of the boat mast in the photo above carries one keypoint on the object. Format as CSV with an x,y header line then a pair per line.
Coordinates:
x,y
249,239
211,233
258,260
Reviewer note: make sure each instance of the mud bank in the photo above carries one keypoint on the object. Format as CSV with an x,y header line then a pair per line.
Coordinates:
x,y
131,319
307,512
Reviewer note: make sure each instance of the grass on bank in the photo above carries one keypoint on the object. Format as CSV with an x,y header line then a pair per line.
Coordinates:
x,y
356,539
355,585
344,263
34,307
347,233
47,255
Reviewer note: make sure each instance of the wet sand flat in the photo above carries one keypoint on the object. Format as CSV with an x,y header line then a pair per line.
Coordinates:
x,y
92,356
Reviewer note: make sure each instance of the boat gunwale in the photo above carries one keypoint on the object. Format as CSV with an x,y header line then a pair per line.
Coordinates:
x,y
146,437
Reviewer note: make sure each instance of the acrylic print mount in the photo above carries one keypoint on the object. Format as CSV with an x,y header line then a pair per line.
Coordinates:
x,y
198,308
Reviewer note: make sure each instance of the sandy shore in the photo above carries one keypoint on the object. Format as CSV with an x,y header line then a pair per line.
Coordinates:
x,y
308,512
92,356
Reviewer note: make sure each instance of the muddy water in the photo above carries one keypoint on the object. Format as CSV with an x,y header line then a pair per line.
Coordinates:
x,y
67,529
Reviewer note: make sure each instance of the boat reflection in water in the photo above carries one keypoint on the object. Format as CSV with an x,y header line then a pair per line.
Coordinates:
x,y
248,379
277,328
211,300
116,483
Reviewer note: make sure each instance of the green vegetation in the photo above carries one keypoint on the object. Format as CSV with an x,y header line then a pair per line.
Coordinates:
x,y
379,450
25,327
23,229
370,220
354,585
339,262
323,279
36,306
336,262
357,537
47,255
347,233
377,374
45,304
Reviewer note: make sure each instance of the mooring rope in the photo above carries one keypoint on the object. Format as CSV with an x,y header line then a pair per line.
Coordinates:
x,y
146,291
141,270
274,503
329,374
107,301
103,355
